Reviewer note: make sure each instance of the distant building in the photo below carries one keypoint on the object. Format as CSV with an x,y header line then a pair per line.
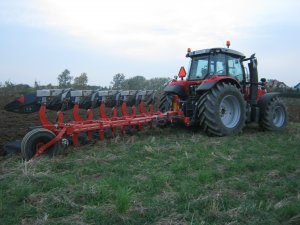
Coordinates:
x,y
297,87
275,84
281,85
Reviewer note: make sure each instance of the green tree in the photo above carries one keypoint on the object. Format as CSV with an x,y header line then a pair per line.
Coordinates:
x,y
64,79
157,83
49,86
118,79
80,81
36,85
8,84
134,83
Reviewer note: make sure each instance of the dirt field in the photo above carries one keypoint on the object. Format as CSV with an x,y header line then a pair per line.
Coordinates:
x,y
14,126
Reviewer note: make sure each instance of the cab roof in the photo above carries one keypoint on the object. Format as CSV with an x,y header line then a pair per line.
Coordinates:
x,y
215,50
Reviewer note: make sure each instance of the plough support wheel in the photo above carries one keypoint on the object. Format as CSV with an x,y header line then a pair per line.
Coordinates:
x,y
35,139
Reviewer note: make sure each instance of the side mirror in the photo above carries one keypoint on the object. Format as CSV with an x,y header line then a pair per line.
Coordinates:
x,y
182,73
263,80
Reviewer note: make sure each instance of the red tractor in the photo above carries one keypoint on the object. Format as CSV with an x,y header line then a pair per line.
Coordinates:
x,y
221,97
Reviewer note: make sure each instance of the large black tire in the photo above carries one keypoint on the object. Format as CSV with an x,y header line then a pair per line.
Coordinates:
x,y
222,110
274,117
33,139
165,103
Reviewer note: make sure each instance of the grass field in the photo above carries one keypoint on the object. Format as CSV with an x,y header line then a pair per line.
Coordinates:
x,y
161,176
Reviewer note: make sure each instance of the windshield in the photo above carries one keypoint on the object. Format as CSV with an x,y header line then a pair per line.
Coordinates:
x,y
199,68
235,68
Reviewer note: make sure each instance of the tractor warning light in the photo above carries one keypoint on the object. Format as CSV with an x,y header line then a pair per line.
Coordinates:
x,y
227,44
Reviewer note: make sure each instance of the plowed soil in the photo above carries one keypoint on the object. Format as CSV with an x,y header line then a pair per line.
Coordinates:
x,y
14,126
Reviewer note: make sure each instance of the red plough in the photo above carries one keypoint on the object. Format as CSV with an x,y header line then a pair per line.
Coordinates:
x,y
48,138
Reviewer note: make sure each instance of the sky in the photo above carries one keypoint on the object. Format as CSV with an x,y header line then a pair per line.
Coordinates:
x,y
41,38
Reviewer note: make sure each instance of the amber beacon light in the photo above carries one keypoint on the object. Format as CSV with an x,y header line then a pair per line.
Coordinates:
x,y
227,44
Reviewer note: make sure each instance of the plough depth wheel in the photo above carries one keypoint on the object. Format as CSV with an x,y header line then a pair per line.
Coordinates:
x,y
34,140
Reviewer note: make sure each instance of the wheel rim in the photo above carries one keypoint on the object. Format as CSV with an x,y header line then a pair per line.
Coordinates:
x,y
230,111
278,116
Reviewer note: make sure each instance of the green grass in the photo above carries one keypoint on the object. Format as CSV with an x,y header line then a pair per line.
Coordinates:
x,y
160,176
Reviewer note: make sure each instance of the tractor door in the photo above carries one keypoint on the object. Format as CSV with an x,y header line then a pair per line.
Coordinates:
x,y
235,68
199,68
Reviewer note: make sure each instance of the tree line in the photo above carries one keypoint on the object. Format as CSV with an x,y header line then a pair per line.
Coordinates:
x,y
137,83
65,80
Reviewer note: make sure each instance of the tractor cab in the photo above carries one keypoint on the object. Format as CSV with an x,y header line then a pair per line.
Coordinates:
x,y
215,62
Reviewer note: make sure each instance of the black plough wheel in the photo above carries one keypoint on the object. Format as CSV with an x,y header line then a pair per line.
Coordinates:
x,y
222,110
35,139
274,117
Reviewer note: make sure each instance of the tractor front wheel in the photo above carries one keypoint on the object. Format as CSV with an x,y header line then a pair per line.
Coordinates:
x,y
274,117
222,110
34,139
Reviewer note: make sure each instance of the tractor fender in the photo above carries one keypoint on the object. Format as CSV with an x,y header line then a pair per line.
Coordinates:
x,y
205,86
176,89
265,99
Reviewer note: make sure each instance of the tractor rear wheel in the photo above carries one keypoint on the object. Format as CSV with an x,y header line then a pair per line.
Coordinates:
x,y
222,110
35,139
274,117
165,103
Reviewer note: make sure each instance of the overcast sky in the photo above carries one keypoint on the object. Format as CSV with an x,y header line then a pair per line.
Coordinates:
x,y
41,38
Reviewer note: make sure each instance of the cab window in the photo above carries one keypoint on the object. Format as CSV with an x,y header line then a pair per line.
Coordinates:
x,y
234,68
199,68
217,65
